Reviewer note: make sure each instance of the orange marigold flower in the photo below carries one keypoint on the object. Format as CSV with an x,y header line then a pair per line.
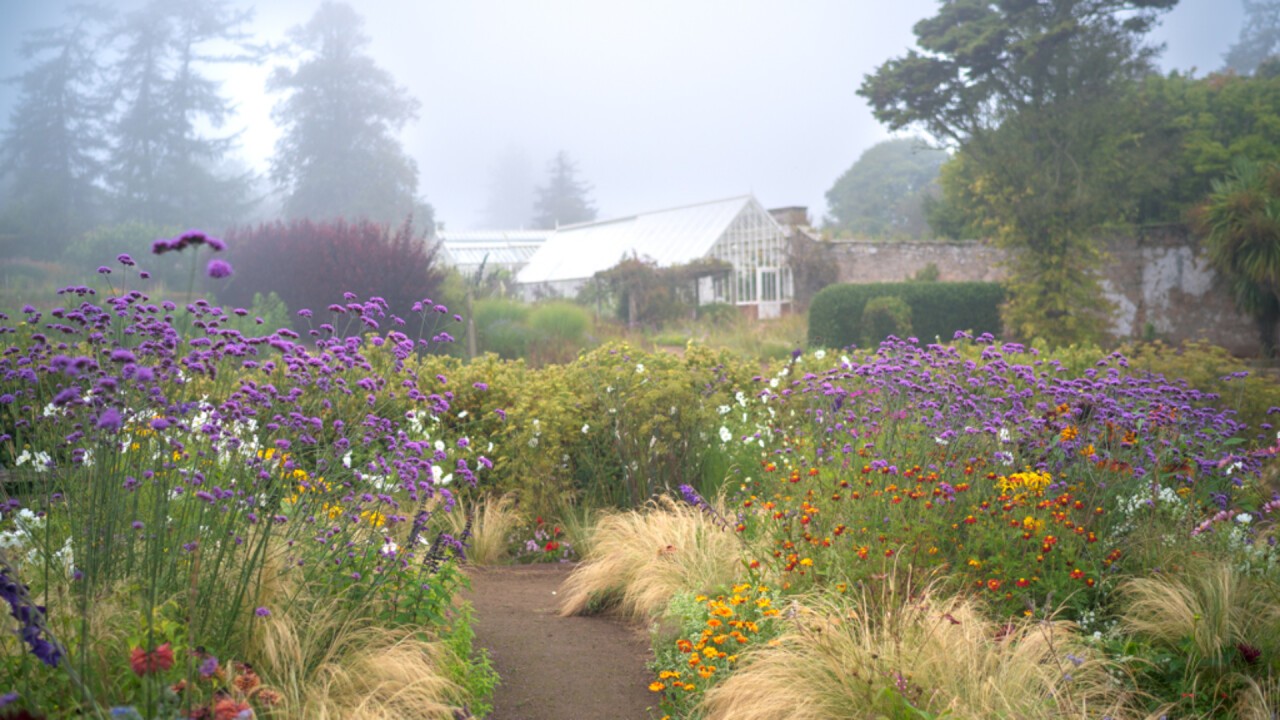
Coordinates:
x,y
656,686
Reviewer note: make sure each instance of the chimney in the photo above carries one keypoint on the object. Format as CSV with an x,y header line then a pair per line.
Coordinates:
x,y
795,216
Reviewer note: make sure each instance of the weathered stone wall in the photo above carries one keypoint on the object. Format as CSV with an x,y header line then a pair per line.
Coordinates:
x,y
1158,280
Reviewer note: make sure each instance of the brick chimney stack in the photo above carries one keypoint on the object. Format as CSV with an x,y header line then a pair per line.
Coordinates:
x,y
792,217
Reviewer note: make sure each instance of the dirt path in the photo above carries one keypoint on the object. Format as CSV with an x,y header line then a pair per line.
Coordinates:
x,y
554,668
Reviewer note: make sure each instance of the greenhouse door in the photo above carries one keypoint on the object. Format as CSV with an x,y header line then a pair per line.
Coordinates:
x,y
770,299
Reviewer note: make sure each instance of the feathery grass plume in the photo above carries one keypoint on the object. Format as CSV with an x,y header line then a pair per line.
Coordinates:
x,y
639,559
1258,701
902,654
578,520
495,519
1210,609
327,666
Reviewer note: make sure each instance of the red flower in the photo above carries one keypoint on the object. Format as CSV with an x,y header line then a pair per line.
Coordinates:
x,y
147,663
552,546
993,584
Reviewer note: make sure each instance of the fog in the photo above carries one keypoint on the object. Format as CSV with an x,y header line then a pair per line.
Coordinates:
x,y
660,103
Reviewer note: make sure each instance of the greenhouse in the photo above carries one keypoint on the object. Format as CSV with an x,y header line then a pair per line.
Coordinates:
x,y
738,231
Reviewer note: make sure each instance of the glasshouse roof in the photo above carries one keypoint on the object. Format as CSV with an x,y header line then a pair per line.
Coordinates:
x,y
493,247
669,237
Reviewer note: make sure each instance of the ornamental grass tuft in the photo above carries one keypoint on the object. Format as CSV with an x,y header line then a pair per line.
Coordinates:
x,y
889,652
639,559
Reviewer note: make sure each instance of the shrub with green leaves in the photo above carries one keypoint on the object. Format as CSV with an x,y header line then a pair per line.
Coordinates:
x,y
938,310
884,316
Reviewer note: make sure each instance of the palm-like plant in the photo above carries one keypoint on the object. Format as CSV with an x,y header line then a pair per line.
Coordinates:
x,y
1240,224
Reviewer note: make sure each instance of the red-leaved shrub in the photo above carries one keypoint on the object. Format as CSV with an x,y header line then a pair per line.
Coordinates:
x,y
311,264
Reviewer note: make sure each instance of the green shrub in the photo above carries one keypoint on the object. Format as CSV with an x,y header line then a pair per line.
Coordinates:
x,y
938,309
558,330
501,327
884,316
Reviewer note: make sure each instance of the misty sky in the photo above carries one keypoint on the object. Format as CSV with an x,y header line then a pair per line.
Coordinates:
x,y
660,102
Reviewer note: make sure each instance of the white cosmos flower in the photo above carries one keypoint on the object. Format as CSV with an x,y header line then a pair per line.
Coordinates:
x,y
725,435
819,354
586,429
639,367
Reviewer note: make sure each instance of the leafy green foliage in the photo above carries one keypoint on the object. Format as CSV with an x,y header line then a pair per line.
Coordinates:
x,y
882,194
1031,95
558,330
937,310
884,316
1240,223
645,294
502,328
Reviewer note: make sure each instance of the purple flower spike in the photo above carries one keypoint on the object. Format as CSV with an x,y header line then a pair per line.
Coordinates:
x,y
262,612
109,420
124,259
219,269
162,246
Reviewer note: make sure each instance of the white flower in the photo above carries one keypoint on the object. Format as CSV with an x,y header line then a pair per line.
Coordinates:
x,y
773,382
586,429
389,549
640,367
1244,518
1004,435
439,446
346,460
741,398
725,435
940,441
462,414
723,409
436,474
1237,465
819,354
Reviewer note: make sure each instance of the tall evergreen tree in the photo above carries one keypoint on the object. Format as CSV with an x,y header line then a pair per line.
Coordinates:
x,y
563,200
51,153
162,168
1259,37
339,155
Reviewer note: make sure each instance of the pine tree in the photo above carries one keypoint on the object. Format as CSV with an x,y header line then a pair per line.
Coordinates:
x,y
51,153
563,200
162,169
1259,37
338,156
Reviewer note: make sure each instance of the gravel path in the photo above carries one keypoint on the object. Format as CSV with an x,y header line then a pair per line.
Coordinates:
x,y
554,668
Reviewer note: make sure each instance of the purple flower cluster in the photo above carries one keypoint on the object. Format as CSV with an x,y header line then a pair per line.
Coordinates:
x,y
30,617
191,238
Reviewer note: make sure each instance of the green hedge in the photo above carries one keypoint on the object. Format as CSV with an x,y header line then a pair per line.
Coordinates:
x,y
938,309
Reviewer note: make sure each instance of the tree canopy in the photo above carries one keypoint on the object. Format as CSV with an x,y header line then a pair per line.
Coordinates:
x,y
883,193
339,155
1030,92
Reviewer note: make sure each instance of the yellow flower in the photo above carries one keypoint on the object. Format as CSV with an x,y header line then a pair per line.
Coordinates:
x,y
1069,433
656,686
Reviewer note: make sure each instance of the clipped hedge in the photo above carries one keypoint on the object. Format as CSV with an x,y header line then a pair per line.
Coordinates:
x,y
938,309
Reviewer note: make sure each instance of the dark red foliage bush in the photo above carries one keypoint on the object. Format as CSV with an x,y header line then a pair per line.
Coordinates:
x,y
311,264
